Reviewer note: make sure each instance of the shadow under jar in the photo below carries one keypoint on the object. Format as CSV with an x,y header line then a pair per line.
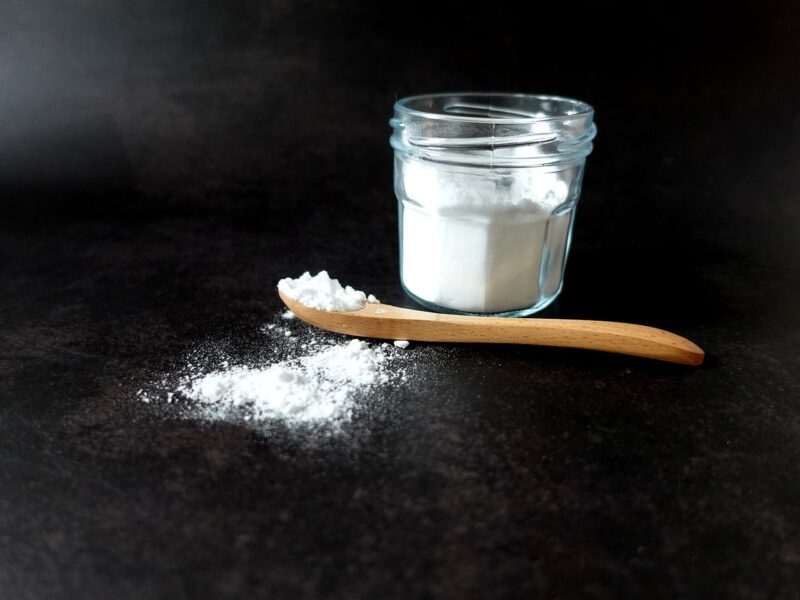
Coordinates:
x,y
487,186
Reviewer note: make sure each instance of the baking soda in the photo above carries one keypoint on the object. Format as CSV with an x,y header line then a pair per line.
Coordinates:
x,y
315,387
319,383
483,243
323,293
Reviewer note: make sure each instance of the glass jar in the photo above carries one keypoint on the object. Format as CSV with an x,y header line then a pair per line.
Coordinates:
x,y
487,186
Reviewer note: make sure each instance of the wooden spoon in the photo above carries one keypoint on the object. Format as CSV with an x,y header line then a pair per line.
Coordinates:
x,y
387,322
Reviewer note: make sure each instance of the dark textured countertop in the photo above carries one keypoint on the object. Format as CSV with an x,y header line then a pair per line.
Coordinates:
x,y
161,167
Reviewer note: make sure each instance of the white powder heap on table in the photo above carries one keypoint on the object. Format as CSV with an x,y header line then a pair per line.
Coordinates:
x,y
324,293
317,387
320,383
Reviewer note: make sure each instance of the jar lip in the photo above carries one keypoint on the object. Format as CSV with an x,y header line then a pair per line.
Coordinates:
x,y
580,108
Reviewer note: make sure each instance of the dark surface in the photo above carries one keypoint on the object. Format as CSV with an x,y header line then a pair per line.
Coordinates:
x,y
162,164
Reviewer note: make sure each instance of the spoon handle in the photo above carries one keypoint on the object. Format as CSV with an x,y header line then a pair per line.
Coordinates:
x,y
606,336
387,322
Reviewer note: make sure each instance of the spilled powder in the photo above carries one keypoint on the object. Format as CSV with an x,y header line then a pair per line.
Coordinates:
x,y
317,386
302,376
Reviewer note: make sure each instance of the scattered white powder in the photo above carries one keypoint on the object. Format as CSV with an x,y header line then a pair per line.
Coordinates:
x,y
297,376
480,243
288,315
324,293
317,387
401,343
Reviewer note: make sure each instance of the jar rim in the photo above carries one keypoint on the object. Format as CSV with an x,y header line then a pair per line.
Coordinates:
x,y
512,116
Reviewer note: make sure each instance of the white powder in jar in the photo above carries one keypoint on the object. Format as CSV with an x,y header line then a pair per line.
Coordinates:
x,y
483,243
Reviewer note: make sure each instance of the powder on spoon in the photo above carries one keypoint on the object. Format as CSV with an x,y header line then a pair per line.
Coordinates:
x,y
323,293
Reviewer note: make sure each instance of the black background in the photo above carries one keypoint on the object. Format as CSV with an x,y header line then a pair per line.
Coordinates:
x,y
162,164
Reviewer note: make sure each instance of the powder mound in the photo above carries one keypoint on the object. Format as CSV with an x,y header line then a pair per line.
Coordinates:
x,y
323,293
313,388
